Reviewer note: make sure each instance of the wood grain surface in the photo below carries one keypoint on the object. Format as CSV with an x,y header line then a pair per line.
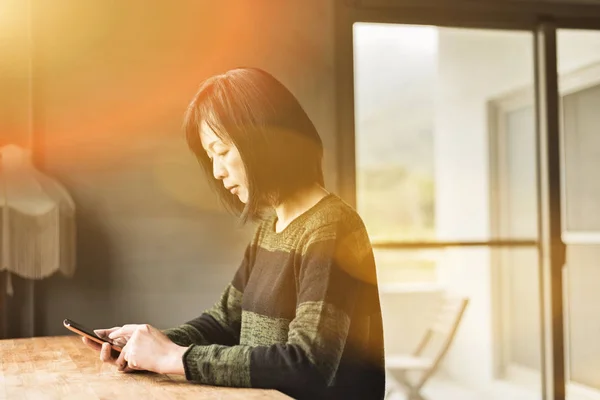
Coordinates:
x,y
64,368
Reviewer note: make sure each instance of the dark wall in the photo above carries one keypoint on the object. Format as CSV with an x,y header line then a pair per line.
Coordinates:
x,y
113,81
14,73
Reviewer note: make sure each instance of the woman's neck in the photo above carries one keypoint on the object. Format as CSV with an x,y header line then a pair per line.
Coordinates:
x,y
297,204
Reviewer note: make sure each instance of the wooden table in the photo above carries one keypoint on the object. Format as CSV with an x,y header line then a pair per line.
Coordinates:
x,y
64,368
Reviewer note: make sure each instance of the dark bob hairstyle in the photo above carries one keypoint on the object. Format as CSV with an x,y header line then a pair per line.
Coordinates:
x,y
279,145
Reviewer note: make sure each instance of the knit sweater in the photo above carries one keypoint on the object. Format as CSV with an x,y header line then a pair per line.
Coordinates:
x,y
301,315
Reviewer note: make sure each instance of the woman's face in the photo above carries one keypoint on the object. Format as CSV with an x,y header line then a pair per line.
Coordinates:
x,y
226,161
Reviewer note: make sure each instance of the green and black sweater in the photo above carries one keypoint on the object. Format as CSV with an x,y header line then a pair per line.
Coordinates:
x,y
302,314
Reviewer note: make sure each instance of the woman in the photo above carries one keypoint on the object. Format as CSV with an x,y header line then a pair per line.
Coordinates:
x,y
302,313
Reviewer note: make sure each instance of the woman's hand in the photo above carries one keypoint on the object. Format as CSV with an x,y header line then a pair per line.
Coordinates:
x,y
119,340
147,348
158,353
107,353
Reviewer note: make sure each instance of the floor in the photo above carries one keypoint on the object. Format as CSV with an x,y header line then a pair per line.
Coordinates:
x,y
443,389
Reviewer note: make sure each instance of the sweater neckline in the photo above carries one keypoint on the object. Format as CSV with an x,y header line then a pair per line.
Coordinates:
x,y
299,220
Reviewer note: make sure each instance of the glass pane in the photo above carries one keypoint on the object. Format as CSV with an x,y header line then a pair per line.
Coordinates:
x,y
582,156
395,121
518,277
584,321
518,175
422,126
579,85
403,266
521,296
495,353
444,128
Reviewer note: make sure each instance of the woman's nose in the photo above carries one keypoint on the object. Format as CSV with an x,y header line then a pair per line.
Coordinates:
x,y
219,171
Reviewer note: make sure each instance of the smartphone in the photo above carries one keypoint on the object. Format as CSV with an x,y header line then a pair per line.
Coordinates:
x,y
89,333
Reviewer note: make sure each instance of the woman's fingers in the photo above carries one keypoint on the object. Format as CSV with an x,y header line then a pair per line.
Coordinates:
x,y
105,332
106,353
120,342
109,355
121,361
90,343
121,336
131,364
117,340
124,331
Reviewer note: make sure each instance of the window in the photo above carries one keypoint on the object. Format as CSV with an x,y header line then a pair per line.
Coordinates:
x,y
394,143
513,169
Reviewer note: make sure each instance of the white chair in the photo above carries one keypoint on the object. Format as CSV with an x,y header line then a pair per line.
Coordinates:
x,y
428,355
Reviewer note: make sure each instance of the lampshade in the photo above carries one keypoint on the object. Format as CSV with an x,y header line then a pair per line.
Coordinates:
x,y
37,220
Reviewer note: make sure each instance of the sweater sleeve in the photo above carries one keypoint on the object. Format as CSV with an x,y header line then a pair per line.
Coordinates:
x,y
222,322
327,284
